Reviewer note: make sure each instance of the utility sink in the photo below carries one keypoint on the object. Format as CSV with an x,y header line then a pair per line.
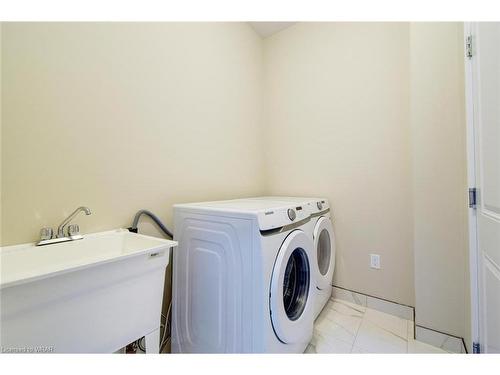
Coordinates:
x,y
92,295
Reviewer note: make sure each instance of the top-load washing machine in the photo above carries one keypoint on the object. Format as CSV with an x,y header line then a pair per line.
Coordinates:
x,y
243,277
321,230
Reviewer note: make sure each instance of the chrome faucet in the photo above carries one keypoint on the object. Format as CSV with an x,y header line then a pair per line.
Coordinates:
x,y
46,234
60,229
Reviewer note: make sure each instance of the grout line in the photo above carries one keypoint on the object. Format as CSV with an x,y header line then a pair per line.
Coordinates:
x,y
327,334
343,303
377,324
357,331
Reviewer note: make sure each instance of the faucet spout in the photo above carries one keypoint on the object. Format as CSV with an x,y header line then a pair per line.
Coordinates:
x,y
60,229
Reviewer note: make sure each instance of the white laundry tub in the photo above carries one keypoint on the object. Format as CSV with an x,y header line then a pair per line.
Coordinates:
x,y
88,296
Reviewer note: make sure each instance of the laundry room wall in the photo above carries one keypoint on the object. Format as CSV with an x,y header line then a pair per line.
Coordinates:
x,y
124,116
337,121
437,111
1,133
371,116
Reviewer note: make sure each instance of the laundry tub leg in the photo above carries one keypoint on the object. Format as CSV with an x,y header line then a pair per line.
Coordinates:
x,y
152,341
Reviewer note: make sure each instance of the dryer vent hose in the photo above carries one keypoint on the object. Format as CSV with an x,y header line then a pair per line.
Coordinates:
x,y
155,218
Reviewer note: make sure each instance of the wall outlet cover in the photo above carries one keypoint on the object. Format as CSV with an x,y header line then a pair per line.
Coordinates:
x,y
375,261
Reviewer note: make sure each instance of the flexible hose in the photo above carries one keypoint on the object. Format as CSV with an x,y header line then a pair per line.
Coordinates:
x,y
154,218
166,336
167,328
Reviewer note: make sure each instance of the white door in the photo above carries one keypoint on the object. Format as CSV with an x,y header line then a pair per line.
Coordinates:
x,y
486,108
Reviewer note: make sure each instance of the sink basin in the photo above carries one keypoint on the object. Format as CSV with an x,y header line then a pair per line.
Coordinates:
x,y
92,295
27,262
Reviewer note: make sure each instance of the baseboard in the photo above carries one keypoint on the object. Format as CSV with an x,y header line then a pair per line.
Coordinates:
x,y
376,303
450,343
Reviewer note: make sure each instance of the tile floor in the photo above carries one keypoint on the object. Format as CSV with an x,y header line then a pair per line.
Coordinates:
x,y
344,327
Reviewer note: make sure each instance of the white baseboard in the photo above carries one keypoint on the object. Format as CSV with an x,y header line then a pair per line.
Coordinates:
x,y
441,340
389,307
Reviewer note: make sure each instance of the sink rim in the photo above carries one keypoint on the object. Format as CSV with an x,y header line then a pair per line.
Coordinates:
x,y
31,275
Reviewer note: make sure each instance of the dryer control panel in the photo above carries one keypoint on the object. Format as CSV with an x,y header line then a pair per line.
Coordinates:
x,y
319,205
280,217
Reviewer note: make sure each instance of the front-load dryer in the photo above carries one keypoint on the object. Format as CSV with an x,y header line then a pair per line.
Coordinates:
x,y
243,278
324,244
322,234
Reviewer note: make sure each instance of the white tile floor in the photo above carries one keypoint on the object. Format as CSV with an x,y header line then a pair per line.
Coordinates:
x,y
344,327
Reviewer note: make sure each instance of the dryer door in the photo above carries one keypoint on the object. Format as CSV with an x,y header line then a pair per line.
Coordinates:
x,y
291,301
324,243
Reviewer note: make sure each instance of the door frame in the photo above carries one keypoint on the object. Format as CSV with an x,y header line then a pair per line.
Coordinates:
x,y
471,182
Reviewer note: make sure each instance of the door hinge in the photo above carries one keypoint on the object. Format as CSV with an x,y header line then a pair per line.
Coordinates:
x,y
468,47
472,197
476,348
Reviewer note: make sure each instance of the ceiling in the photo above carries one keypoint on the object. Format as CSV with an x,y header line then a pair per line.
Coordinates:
x,y
265,29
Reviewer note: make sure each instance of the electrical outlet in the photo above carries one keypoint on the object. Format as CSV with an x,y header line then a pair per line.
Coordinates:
x,y
375,261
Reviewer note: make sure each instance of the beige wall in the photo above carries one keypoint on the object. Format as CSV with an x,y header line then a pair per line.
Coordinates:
x,y
127,116
120,117
338,126
440,177
372,117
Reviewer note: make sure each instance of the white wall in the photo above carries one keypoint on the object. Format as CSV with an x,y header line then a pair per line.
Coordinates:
x,y
440,179
120,117
337,120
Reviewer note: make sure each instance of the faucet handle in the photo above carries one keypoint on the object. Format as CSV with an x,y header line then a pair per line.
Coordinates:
x,y
73,230
46,234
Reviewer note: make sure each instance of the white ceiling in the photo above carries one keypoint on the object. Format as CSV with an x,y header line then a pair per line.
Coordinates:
x,y
265,29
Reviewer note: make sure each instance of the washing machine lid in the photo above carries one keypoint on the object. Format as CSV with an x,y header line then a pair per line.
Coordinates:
x,y
292,283
324,246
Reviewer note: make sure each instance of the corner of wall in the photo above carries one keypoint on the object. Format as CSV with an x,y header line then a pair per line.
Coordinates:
x,y
467,290
440,219
1,121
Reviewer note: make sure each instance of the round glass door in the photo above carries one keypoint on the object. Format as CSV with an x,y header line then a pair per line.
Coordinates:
x,y
296,284
290,302
324,243
324,249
